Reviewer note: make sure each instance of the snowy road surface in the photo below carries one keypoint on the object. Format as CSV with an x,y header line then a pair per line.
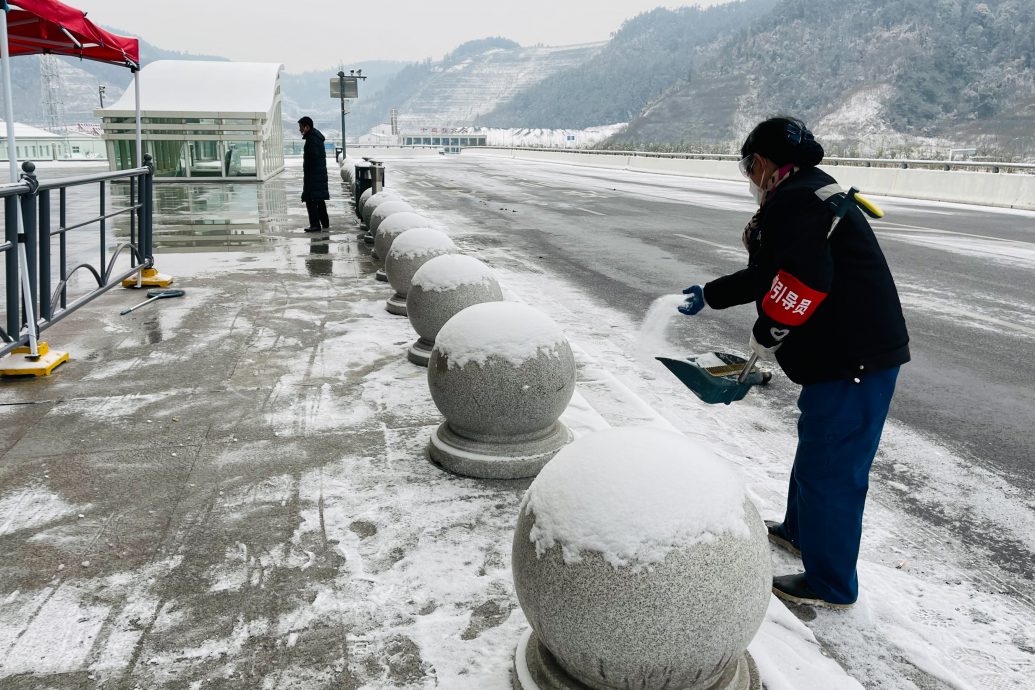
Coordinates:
x,y
953,502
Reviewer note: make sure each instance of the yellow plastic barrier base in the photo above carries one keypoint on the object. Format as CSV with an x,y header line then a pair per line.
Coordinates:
x,y
19,363
149,277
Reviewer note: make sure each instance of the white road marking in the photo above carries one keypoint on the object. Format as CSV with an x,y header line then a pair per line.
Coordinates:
x,y
595,213
698,239
920,228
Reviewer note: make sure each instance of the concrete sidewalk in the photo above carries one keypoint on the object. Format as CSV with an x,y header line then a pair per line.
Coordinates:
x,y
230,490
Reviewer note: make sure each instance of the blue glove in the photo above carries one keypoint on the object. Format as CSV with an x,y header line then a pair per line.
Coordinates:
x,y
694,301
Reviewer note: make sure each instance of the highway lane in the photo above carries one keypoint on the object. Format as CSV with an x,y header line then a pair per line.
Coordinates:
x,y
964,275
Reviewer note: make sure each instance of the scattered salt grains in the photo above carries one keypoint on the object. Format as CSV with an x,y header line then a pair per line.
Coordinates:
x,y
85,564
651,340
61,566
512,331
633,494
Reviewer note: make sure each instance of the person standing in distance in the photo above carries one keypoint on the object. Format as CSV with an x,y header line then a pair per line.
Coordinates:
x,y
315,192
829,313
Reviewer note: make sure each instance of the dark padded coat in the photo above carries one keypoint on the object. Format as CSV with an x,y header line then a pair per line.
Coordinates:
x,y
314,167
831,302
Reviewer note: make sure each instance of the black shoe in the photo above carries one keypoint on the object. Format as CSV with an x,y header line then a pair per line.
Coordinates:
x,y
795,589
775,536
312,229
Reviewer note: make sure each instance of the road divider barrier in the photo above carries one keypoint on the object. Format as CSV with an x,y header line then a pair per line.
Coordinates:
x,y
1007,185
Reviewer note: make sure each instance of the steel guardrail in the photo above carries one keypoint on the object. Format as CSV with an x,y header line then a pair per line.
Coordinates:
x,y
904,163
50,301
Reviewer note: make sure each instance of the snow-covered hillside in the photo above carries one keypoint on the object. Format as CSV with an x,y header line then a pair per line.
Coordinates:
x,y
456,93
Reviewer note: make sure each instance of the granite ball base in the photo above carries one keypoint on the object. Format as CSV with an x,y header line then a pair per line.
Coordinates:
x,y
512,459
420,352
536,669
396,304
381,275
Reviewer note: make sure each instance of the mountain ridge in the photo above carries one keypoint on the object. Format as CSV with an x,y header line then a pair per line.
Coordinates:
x,y
870,77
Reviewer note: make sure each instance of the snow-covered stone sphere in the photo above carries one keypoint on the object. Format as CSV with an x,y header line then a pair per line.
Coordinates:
x,y
375,200
501,373
348,171
640,562
393,226
411,250
389,229
441,288
382,212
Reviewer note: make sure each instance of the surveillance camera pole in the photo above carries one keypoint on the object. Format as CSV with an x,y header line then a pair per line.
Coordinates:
x,y
100,92
341,85
352,77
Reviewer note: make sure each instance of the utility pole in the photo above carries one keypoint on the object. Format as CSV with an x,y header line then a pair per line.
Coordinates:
x,y
345,87
341,92
100,92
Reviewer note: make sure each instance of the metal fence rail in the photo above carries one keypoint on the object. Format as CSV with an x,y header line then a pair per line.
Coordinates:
x,y
973,166
49,300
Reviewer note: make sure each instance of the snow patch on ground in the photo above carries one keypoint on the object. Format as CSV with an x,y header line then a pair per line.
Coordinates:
x,y
32,507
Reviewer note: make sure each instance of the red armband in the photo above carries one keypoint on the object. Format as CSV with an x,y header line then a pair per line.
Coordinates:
x,y
791,302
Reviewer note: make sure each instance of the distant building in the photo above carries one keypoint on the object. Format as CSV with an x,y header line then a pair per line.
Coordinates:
x,y
201,119
451,139
32,143
36,144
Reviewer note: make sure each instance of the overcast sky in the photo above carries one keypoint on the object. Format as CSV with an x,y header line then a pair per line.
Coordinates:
x,y
318,34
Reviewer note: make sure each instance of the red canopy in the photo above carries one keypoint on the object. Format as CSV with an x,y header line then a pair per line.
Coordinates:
x,y
46,26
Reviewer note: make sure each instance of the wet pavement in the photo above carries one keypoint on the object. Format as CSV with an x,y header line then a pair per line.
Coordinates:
x,y
230,489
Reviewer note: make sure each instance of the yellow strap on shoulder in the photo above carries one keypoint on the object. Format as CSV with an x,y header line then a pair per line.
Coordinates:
x,y
871,209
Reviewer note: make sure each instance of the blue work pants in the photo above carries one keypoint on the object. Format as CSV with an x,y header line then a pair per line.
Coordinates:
x,y
838,433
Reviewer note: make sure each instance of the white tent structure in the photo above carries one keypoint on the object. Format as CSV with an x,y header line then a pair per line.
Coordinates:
x,y
201,119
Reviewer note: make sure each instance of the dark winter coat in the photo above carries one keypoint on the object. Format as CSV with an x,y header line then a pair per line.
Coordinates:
x,y
314,167
831,302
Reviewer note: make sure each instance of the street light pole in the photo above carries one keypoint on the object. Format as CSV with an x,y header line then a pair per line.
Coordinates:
x,y
341,85
346,88
100,92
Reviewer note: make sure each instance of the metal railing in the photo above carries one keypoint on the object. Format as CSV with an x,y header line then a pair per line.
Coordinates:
x,y
49,301
976,166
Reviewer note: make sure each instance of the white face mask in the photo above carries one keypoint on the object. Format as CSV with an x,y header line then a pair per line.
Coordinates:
x,y
756,192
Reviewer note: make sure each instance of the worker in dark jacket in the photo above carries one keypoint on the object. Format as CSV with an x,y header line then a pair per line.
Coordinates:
x,y
315,192
829,312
